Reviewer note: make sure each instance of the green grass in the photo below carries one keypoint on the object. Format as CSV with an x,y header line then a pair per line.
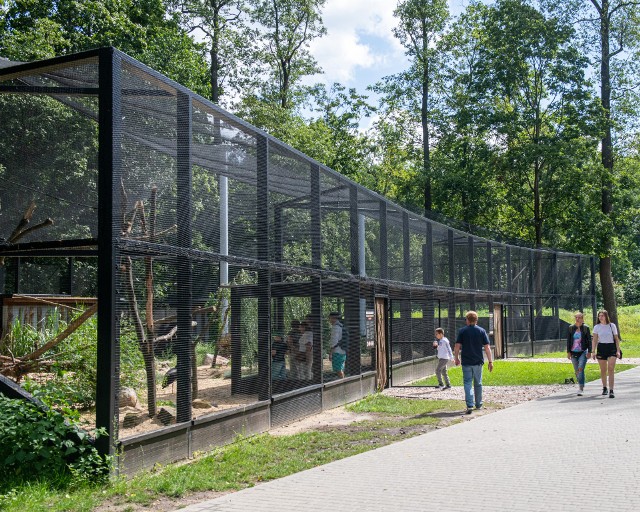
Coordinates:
x,y
508,373
243,463
402,407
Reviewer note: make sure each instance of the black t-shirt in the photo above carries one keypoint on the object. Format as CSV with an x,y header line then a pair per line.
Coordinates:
x,y
473,338
281,349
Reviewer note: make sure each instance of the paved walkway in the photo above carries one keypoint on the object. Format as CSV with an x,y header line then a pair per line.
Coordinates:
x,y
559,453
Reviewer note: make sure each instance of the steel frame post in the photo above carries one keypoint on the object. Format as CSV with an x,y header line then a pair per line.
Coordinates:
x,y
264,276
109,171
184,277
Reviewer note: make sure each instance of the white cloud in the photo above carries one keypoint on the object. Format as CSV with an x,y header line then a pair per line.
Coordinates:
x,y
359,37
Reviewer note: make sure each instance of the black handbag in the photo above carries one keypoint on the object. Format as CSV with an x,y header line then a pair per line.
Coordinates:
x,y
614,340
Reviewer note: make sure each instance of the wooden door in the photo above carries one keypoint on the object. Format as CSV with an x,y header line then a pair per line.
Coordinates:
x,y
498,334
381,344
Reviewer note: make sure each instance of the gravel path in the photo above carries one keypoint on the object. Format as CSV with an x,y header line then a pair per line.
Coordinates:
x,y
624,360
503,395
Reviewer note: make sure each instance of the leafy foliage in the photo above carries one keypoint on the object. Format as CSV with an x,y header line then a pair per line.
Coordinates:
x,y
35,443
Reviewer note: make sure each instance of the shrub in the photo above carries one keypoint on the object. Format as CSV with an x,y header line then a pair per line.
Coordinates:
x,y
36,442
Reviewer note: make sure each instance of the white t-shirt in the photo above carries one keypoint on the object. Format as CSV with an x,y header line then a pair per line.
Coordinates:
x,y
307,337
336,336
605,332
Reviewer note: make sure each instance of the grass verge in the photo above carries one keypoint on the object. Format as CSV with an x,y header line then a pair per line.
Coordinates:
x,y
515,373
245,462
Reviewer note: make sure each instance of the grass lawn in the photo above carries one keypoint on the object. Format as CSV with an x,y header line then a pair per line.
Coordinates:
x,y
243,463
514,373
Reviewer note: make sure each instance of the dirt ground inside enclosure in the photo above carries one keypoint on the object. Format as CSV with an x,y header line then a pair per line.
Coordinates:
x,y
213,390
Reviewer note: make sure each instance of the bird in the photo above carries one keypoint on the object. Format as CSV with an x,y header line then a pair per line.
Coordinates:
x,y
170,377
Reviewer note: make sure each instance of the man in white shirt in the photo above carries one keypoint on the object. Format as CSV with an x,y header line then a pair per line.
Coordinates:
x,y
337,354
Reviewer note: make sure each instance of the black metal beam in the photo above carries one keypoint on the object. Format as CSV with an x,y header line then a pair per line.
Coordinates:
x,y
264,276
450,252
472,271
316,219
353,229
592,289
109,171
384,259
406,248
184,292
427,256
63,253
508,270
51,245
46,65
35,89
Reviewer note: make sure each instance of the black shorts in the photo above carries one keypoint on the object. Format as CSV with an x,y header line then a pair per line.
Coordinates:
x,y
606,350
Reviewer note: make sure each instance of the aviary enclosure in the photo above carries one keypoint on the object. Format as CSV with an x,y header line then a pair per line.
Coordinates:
x,y
155,246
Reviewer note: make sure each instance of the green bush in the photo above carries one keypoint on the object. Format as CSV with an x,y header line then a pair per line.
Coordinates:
x,y
36,443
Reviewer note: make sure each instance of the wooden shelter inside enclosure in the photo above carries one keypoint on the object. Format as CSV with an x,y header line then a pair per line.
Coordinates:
x,y
199,235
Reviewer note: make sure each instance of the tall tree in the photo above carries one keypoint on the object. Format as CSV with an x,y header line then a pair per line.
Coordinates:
x,y
612,28
545,119
465,185
288,26
222,23
31,30
420,24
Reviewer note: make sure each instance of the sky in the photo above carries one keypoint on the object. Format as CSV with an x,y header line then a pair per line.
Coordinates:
x,y
360,48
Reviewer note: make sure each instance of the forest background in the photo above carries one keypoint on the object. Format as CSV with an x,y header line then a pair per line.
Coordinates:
x,y
516,120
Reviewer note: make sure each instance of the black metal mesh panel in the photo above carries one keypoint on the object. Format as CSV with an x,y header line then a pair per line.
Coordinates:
x,y
54,167
149,157
417,240
369,209
519,270
461,263
290,211
481,264
395,245
499,260
335,223
440,250
569,268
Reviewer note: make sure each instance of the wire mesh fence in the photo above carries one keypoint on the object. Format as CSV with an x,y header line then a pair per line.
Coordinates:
x,y
222,260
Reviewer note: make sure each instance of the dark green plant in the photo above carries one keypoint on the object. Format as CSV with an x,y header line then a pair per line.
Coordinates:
x,y
35,442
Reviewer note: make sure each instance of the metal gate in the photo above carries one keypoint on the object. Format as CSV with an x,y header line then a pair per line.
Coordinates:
x,y
517,330
411,326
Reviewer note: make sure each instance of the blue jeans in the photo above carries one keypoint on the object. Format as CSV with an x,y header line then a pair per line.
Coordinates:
x,y
579,360
472,373
278,370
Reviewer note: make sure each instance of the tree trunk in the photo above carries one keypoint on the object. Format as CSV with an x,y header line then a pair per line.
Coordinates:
x,y
606,276
215,58
426,158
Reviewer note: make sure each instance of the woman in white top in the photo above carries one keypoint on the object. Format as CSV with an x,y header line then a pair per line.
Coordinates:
x,y
304,356
606,349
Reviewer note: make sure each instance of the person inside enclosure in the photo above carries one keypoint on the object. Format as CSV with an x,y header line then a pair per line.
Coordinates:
x,y
471,340
606,348
278,350
579,348
338,348
444,356
304,353
292,341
